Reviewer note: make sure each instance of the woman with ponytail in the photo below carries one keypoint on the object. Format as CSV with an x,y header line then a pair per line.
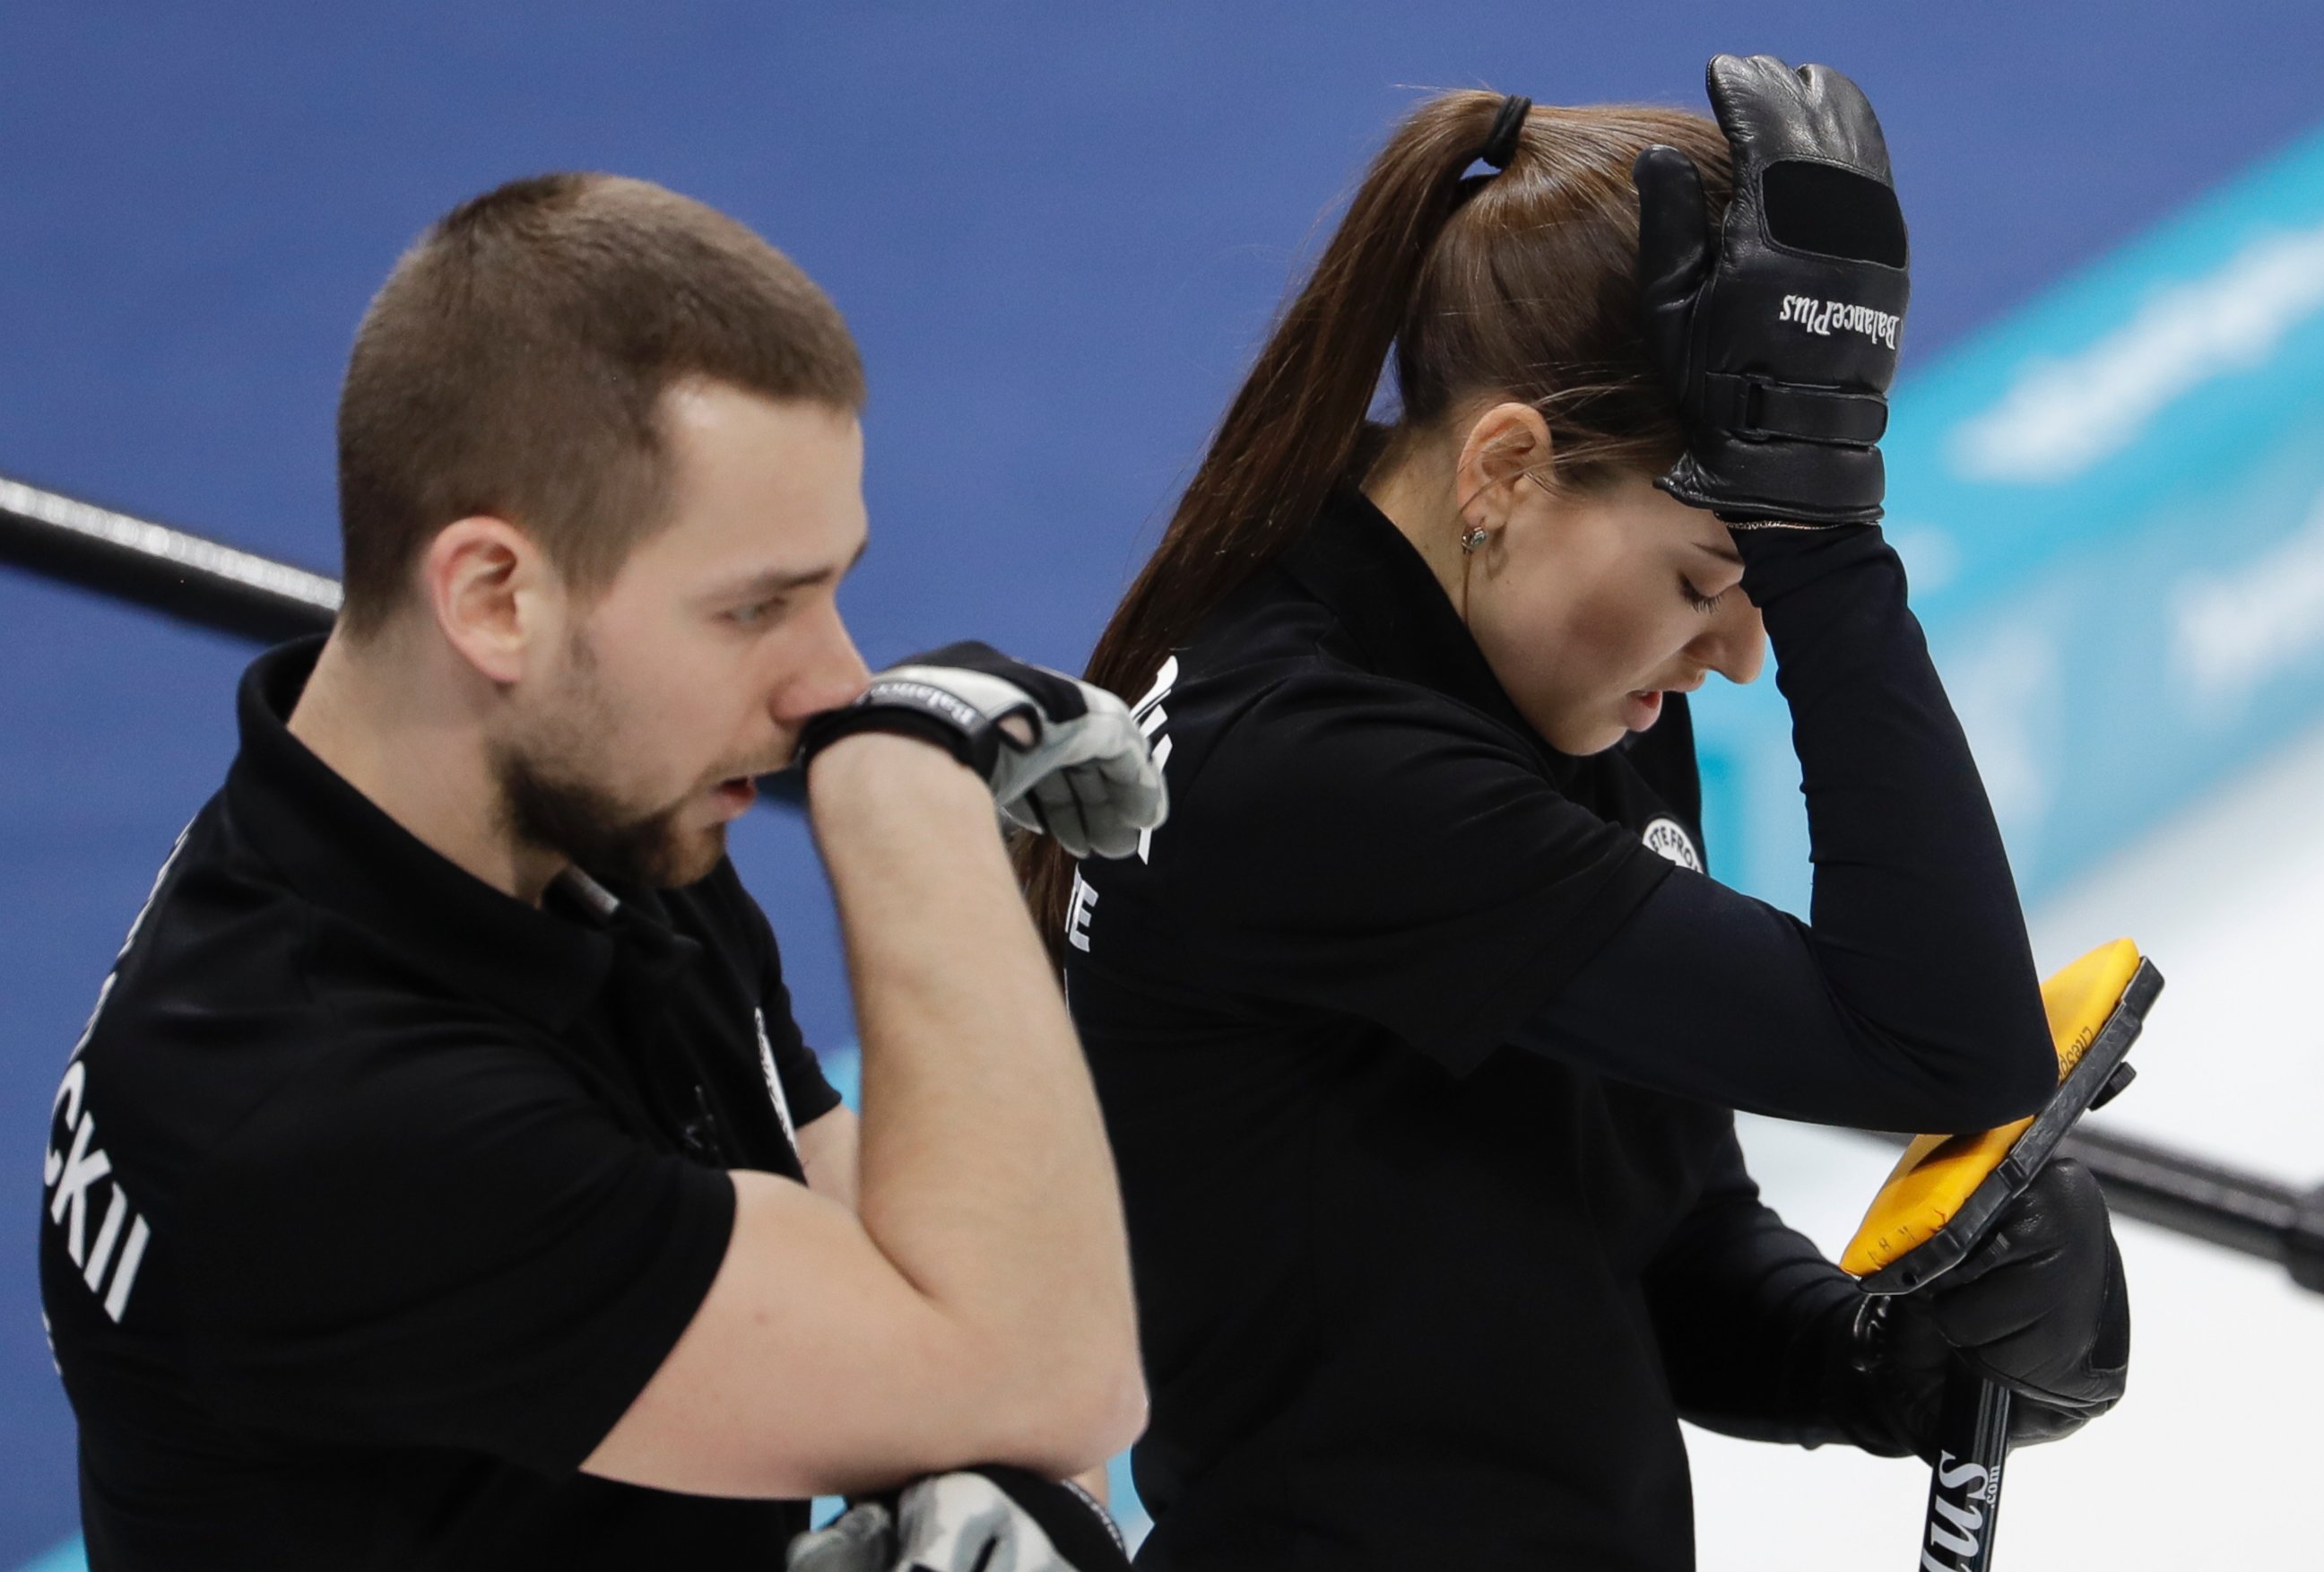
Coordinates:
x,y
1419,1027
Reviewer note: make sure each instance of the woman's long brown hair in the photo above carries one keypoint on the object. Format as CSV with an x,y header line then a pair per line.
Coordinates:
x,y
1521,284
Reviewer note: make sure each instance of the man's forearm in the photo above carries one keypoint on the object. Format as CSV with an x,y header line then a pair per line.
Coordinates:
x,y
985,1176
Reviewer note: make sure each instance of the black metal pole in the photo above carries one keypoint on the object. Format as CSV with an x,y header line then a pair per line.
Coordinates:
x,y
180,575
2230,1207
1965,1485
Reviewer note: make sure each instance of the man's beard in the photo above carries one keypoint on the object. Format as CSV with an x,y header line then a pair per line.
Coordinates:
x,y
602,833
548,804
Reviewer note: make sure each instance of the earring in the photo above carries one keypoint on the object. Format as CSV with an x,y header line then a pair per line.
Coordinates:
x,y
1473,539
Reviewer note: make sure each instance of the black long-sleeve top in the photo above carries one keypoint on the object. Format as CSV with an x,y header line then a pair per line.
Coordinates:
x,y
1418,1043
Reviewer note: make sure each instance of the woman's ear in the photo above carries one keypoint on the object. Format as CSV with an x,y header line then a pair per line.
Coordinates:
x,y
1506,442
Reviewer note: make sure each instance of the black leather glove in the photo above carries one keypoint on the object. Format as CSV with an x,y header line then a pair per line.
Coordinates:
x,y
2039,1306
1061,756
1780,344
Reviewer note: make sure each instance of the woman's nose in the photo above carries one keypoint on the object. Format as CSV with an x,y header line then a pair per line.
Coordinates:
x,y
1735,644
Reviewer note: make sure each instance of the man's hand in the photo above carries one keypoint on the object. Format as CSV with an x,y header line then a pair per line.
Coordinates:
x,y
1061,756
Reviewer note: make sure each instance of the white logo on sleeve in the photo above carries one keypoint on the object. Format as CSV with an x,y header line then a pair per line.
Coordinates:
x,y
1079,908
72,1168
774,1082
1151,718
1667,837
71,1176
1081,905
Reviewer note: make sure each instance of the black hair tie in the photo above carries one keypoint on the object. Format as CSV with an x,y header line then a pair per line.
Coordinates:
x,y
1501,141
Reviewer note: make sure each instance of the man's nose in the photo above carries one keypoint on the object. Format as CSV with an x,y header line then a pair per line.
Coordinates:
x,y
1735,644
829,673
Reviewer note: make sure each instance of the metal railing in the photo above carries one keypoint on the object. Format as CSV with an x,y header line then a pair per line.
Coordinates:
x,y
182,575
200,582
2229,1207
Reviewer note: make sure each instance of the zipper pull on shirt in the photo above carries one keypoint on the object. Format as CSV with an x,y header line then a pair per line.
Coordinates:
x,y
700,1132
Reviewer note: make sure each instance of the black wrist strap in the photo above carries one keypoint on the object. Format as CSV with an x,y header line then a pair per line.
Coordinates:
x,y
1756,406
1079,1529
977,748
1866,1399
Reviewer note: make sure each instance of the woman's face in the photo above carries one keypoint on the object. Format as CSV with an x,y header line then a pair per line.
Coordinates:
x,y
1590,604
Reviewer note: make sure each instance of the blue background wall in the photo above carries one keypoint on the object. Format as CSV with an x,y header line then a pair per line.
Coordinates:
x,y
1058,231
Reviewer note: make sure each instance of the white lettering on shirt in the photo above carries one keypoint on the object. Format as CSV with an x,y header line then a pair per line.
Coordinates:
x,y
1151,718
774,1082
72,1168
86,1166
1078,907
71,1177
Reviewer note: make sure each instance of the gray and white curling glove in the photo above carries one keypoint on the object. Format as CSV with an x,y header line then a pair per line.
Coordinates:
x,y
980,1520
1062,758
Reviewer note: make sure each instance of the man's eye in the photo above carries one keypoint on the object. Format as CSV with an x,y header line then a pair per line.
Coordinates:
x,y
753,614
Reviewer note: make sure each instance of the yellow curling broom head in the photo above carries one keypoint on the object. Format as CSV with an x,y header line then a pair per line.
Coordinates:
x,y
1938,1173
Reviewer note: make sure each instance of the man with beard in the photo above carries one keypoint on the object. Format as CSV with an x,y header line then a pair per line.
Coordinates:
x,y
441,1180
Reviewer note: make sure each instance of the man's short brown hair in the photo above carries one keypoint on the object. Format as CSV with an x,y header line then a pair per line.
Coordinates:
x,y
514,362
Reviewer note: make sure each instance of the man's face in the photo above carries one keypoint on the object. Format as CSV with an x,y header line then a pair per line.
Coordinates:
x,y
694,671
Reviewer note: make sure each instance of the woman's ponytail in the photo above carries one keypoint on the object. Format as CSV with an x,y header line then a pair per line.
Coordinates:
x,y
1290,434
1292,430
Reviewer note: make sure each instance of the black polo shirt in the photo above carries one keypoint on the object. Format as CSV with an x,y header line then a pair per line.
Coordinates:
x,y
1416,1041
374,1196
1390,1278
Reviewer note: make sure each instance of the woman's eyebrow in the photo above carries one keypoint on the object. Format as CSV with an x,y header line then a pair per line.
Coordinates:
x,y
1727,554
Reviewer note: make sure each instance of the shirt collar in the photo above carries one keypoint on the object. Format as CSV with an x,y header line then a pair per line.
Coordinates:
x,y
1374,581
342,852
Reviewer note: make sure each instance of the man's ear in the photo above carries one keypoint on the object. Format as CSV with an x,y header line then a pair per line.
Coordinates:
x,y
492,593
1506,442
